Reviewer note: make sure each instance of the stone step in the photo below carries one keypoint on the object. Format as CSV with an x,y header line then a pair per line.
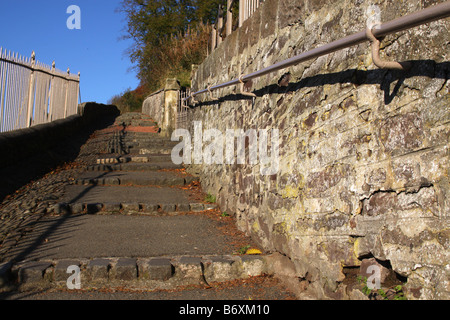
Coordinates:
x,y
143,123
144,135
133,138
141,158
145,200
81,236
148,148
146,178
142,207
149,273
151,150
134,166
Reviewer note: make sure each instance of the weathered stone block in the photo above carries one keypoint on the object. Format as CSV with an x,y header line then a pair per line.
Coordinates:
x,y
130,207
124,269
289,12
196,207
157,269
97,269
93,208
61,266
269,17
255,28
244,36
402,133
183,207
60,208
111,207
383,271
112,181
220,268
33,271
149,207
76,208
189,270
253,265
168,207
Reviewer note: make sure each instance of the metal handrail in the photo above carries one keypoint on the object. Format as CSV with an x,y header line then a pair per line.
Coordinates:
x,y
412,20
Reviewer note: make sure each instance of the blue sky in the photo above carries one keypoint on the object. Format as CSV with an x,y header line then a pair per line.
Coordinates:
x,y
95,50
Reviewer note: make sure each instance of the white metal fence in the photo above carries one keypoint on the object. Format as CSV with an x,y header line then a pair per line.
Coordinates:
x,y
32,93
224,23
247,8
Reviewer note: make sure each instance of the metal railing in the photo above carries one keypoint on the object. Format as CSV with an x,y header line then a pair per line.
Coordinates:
x,y
433,13
32,93
182,109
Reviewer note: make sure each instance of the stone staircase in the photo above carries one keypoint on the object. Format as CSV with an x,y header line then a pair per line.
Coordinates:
x,y
131,218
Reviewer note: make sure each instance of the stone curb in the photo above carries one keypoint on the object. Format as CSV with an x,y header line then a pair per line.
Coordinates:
x,y
130,208
142,157
133,167
114,181
148,273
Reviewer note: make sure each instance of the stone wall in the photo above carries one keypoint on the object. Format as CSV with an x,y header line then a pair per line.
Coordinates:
x,y
28,153
152,106
162,106
18,145
363,152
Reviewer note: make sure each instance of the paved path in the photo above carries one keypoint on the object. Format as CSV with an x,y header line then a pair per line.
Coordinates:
x,y
130,218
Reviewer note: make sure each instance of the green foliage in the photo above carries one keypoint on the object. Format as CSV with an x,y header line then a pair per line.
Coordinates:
x,y
365,289
150,21
169,36
244,249
224,214
130,100
210,198
397,295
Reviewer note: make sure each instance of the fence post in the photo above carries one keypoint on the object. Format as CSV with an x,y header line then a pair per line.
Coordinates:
x,y
52,89
31,91
247,9
78,89
241,12
213,38
2,85
66,85
220,25
229,18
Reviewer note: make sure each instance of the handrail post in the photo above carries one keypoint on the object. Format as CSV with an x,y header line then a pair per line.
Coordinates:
x,y
31,91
